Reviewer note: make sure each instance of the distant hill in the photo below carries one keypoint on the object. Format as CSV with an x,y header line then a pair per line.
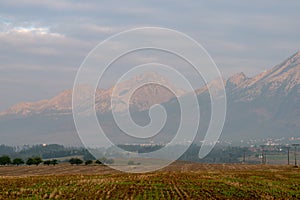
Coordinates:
x,y
141,100
264,106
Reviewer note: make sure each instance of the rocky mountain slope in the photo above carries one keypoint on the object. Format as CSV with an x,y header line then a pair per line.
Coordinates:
x,y
277,81
141,100
264,106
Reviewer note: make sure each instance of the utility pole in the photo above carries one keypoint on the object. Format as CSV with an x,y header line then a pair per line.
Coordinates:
x,y
295,153
244,156
263,155
288,149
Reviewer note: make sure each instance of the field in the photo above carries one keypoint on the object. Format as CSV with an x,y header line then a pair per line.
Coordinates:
x,y
178,181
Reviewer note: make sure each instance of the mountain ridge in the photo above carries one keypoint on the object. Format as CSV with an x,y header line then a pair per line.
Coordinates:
x,y
139,101
235,84
264,106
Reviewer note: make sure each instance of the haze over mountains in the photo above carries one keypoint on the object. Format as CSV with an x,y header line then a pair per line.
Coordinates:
x,y
264,106
141,100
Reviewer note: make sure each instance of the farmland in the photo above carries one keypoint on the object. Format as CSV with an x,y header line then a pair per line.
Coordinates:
x,y
178,181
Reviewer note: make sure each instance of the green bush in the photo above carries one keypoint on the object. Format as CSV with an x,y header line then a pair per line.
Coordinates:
x,y
5,160
88,162
34,161
18,161
51,162
99,162
75,161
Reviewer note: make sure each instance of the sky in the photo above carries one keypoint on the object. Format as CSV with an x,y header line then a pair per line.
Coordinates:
x,y
43,43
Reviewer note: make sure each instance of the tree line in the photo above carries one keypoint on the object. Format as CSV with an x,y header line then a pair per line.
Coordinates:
x,y
6,160
47,151
101,161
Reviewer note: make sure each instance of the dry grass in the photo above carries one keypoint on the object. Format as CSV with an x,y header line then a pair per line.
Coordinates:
x,y
178,181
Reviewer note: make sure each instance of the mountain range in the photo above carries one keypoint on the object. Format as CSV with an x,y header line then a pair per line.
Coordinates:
x,y
141,100
264,106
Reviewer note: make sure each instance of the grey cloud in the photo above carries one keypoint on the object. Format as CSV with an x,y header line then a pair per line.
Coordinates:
x,y
240,35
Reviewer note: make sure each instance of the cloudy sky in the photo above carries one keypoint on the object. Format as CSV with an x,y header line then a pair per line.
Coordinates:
x,y
43,43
